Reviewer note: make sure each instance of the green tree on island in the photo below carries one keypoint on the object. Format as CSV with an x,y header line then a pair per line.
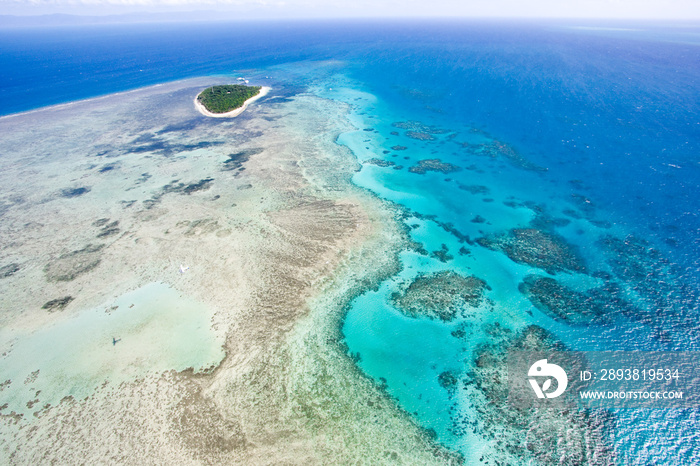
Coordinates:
x,y
222,99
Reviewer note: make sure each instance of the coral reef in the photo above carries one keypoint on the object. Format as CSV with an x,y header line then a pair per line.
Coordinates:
x,y
57,304
380,162
418,127
442,254
655,281
9,270
498,149
474,188
434,165
181,188
75,192
109,229
537,248
420,136
73,264
595,306
562,434
236,160
440,295
150,143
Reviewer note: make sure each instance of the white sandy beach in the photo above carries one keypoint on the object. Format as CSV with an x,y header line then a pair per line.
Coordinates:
x,y
233,113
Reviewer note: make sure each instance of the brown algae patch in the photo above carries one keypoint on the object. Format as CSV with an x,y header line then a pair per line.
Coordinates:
x,y
440,295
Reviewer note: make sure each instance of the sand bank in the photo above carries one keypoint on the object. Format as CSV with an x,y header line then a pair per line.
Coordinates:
x,y
233,113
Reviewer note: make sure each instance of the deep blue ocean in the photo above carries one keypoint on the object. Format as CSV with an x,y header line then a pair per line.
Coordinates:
x,y
605,122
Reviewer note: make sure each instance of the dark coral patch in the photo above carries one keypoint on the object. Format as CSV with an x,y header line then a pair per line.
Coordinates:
x,y
584,204
73,264
442,254
75,192
143,178
109,229
182,127
655,280
181,188
448,380
464,251
434,165
57,304
418,127
450,228
537,248
151,143
178,187
498,149
420,136
563,433
474,188
595,306
440,295
380,162
236,160
634,259
9,270
108,232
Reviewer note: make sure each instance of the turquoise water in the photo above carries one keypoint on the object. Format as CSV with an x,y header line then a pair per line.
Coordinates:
x,y
591,136
597,191
156,330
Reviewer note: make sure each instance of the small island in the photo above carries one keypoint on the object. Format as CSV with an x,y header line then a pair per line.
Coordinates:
x,y
228,100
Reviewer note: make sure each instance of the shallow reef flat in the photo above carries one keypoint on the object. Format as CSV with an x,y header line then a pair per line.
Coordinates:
x,y
172,286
